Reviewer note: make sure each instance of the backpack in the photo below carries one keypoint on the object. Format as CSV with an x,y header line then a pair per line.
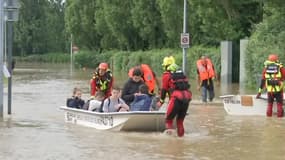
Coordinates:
x,y
87,103
109,101
179,81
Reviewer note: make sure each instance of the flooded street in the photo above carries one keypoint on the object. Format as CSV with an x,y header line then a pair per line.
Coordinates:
x,y
36,129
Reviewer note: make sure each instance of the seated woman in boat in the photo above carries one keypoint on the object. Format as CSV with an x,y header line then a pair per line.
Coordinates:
x,y
142,99
96,103
114,103
75,101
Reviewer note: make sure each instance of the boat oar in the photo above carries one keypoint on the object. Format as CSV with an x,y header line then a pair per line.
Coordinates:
x,y
263,98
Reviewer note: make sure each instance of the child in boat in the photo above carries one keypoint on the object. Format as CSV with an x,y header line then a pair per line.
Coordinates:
x,y
75,101
114,103
142,101
96,103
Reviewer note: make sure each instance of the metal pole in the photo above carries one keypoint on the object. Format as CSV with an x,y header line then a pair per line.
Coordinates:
x,y
71,55
1,57
9,59
184,48
5,41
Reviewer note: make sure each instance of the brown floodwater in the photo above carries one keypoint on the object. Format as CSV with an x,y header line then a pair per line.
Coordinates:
x,y
36,129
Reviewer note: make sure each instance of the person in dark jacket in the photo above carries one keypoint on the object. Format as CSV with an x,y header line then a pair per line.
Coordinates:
x,y
131,87
75,101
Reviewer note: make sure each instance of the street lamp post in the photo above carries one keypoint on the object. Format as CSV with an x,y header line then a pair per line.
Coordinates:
x,y
1,57
11,15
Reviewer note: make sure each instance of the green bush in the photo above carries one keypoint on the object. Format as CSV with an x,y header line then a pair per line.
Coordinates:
x,y
48,58
122,61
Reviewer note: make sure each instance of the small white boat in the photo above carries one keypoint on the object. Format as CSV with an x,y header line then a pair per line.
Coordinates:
x,y
117,121
246,105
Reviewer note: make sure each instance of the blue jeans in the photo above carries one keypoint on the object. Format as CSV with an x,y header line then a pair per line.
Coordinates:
x,y
207,90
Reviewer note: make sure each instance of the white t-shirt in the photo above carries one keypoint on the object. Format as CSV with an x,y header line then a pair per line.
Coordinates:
x,y
94,105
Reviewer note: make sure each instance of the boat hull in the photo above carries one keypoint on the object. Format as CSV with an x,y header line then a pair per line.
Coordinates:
x,y
117,121
245,105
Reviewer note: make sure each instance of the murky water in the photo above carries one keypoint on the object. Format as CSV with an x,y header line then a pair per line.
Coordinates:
x,y
36,129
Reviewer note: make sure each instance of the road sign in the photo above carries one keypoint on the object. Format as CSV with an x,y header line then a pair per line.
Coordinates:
x,y
184,40
75,49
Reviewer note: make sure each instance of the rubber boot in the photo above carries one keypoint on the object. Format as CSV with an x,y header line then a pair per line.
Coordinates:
x,y
279,110
169,124
180,127
269,110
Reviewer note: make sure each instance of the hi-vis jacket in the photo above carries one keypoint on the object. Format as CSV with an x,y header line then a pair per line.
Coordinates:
x,y
273,74
101,83
205,70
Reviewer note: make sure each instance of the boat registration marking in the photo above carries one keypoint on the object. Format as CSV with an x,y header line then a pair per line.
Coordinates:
x,y
230,100
106,120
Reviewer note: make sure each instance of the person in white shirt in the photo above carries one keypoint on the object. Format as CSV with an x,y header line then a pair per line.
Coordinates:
x,y
96,103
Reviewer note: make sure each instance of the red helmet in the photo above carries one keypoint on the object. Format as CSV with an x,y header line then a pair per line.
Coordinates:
x,y
103,66
273,57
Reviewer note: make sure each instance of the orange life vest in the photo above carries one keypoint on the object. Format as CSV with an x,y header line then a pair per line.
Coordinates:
x,y
148,76
206,71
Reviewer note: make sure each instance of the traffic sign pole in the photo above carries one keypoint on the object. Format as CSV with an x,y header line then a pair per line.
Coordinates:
x,y
184,39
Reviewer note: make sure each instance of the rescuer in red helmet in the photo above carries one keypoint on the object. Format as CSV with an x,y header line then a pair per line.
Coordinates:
x,y
273,75
102,80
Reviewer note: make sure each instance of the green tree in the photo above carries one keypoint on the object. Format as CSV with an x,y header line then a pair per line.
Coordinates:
x,y
213,21
108,40
172,17
116,16
39,28
80,22
56,37
147,20
268,37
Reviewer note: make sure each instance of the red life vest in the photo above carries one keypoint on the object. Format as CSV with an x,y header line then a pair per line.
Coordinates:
x,y
206,70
